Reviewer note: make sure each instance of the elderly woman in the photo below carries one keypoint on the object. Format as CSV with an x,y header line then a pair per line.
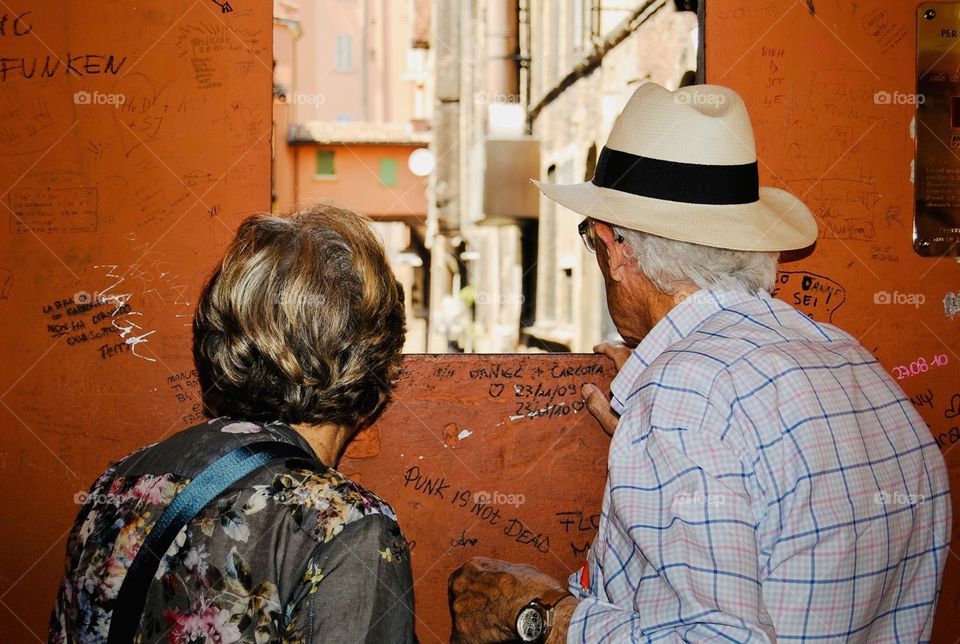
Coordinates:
x,y
297,340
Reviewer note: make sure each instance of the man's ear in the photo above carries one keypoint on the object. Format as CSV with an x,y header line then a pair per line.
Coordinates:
x,y
614,252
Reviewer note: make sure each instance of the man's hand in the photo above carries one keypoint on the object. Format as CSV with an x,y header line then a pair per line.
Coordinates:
x,y
616,351
486,595
597,402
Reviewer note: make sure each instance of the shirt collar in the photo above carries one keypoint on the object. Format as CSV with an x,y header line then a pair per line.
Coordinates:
x,y
681,321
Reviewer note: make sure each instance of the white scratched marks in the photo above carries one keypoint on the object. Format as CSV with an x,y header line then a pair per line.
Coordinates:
x,y
123,313
134,340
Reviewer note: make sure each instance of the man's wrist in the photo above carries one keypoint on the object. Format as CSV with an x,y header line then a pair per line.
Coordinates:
x,y
545,612
562,614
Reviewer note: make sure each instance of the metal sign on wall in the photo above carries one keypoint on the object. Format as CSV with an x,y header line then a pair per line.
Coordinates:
x,y
937,221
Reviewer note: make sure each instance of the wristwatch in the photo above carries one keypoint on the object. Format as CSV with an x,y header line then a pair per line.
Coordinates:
x,y
535,619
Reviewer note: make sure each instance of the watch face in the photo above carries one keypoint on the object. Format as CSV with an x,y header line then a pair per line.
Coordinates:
x,y
530,624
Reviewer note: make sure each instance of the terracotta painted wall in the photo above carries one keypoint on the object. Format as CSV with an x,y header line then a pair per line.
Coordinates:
x,y
357,181
809,72
131,201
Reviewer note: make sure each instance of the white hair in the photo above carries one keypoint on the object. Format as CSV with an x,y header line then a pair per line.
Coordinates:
x,y
670,264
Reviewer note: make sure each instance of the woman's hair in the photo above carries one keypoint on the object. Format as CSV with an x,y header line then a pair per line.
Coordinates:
x,y
303,321
669,264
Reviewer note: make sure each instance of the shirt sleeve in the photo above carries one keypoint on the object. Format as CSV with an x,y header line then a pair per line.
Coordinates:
x,y
679,503
358,587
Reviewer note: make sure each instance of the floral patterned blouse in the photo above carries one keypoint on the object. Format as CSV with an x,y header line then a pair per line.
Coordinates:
x,y
294,552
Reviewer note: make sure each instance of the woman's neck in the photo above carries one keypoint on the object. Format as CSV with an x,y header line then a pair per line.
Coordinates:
x,y
328,441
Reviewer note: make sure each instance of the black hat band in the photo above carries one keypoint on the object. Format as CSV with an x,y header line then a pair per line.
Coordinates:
x,y
676,181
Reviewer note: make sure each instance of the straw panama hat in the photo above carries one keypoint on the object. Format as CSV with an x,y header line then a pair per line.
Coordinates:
x,y
683,165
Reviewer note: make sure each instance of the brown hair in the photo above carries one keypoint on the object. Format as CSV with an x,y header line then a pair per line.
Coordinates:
x,y
303,321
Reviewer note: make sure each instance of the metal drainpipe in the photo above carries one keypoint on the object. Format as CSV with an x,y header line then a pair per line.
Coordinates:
x,y
502,69
295,33
525,33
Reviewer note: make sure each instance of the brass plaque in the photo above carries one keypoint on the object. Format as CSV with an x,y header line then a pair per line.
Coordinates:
x,y
936,225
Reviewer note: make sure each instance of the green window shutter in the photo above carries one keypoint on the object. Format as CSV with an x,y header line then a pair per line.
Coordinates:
x,y
388,172
325,163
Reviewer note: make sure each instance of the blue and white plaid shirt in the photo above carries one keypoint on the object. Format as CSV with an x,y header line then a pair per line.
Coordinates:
x,y
768,480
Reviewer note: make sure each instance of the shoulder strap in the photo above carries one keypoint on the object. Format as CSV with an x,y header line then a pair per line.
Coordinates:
x,y
208,485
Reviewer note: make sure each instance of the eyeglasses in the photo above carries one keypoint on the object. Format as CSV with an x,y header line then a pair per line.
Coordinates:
x,y
586,234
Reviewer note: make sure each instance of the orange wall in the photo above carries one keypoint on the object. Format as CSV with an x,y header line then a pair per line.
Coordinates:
x,y
134,202
357,182
141,201
808,72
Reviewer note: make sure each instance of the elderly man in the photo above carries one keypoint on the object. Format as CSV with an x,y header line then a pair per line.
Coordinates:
x,y
767,479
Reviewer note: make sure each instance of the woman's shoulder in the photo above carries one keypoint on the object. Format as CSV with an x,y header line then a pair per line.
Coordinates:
x,y
323,501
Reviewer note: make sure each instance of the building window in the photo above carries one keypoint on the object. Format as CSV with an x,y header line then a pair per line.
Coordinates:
x,y
325,163
344,53
388,172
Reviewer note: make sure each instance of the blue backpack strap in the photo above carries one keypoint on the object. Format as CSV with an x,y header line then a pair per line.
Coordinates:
x,y
213,481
